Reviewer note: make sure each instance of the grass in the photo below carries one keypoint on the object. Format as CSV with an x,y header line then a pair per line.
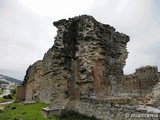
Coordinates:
x,y
1,92
17,111
4,100
7,98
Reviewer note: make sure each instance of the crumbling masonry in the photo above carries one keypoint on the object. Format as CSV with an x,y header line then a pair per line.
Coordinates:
x,y
83,72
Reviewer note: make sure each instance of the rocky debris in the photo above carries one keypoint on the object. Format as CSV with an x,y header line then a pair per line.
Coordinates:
x,y
104,110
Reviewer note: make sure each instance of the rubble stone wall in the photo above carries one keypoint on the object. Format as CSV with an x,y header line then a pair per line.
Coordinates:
x,y
140,83
20,93
83,71
84,54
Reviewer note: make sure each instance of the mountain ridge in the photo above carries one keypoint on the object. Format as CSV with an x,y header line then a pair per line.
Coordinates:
x,y
8,79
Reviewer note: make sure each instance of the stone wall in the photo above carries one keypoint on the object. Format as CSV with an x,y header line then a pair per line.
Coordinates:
x,y
29,91
139,83
37,87
153,98
148,77
83,71
20,93
88,52
85,53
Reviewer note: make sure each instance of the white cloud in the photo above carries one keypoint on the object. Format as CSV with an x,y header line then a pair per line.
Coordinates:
x,y
24,37
134,18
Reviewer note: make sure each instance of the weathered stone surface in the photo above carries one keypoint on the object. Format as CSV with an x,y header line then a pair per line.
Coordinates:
x,y
139,83
83,72
20,93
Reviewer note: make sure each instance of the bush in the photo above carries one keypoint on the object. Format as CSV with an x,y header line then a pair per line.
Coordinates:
x,y
13,108
8,97
13,91
1,111
3,100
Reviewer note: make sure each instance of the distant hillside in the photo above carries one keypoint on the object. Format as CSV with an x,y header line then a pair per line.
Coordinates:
x,y
8,79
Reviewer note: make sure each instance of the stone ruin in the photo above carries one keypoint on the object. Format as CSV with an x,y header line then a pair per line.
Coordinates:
x,y
83,72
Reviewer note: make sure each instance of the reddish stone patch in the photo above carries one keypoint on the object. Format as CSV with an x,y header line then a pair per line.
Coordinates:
x,y
98,84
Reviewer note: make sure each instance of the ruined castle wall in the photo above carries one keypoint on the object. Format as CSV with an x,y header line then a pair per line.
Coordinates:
x,y
29,91
45,89
46,77
84,54
82,57
148,77
33,81
153,98
83,71
20,93
128,84
159,75
140,83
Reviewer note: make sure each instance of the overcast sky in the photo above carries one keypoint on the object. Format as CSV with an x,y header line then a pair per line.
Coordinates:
x,y
26,30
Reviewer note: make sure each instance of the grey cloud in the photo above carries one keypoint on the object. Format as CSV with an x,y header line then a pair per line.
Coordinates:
x,y
22,35
25,38
139,21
